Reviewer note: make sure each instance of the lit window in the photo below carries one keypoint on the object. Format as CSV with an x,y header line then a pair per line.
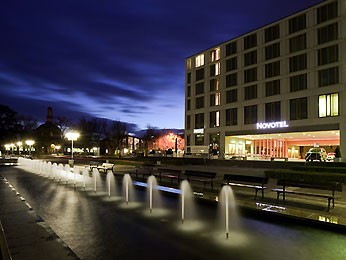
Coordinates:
x,y
200,60
328,105
217,118
217,69
188,64
215,54
217,99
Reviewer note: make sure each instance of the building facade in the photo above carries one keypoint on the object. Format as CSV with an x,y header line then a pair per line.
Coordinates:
x,y
273,92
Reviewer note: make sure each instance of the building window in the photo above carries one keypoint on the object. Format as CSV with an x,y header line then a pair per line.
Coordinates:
x,y
272,112
250,114
215,54
231,116
272,88
250,92
327,12
231,80
250,75
215,99
272,69
297,23
199,120
272,51
188,140
199,102
272,33
328,77
298,43
250,41
231,48
214,85
188,104
188,122
328,33
231,64
328,105
250,58
299,108
328,55
188,91
199,88
199,60
231,96
188,78
298,63
214,119
217,69
188,64
199,139
298,83
199,74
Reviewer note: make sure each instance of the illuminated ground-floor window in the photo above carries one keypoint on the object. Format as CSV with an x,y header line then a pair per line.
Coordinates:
x,y
280,145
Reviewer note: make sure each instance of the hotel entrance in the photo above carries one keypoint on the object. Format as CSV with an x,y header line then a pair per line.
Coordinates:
x,y
292,146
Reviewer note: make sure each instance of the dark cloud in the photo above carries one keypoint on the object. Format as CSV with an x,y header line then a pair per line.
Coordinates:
x,y
115,59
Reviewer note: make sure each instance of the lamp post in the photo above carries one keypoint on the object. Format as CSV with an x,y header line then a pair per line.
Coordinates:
x,y
72,136
57,148
7,148
30,143
19,145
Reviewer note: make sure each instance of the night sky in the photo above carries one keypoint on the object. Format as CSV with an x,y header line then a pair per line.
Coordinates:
x,y
118,59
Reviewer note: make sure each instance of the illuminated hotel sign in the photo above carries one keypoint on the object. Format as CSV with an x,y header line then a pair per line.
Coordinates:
x,y
198,131
280,124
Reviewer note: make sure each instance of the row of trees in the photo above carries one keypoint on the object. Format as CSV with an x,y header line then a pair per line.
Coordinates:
x,y
106,134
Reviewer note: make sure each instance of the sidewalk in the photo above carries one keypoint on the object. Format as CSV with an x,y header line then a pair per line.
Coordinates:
x,y
28,236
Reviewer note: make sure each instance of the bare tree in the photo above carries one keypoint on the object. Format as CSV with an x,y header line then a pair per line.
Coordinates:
x,y
148,138
63,123
120,132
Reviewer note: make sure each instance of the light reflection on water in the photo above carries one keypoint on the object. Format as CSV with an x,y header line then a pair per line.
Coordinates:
x,y
102,227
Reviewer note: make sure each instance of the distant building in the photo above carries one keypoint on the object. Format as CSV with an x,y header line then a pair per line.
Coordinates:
x,y
48,135
273,92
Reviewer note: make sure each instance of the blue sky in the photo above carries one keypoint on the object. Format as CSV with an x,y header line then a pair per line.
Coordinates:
x,y
120,60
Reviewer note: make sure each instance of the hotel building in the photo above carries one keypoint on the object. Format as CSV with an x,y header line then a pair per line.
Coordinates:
x,y
273,92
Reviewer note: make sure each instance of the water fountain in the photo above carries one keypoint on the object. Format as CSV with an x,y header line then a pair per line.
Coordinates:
x,y
67,170
96,174
85,174
127,187
49,169
186,201
110,181
60,171
228,211
54,170
153,193
75,170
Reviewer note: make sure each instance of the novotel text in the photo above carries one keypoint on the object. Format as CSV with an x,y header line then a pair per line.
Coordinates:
x,y
280,124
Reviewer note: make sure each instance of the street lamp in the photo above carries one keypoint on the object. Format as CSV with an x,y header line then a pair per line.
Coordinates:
x,y
57,148
30,143
72,136
19,145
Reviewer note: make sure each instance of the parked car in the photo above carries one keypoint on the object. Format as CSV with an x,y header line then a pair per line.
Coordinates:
x,y
316,153
330,157
155,153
